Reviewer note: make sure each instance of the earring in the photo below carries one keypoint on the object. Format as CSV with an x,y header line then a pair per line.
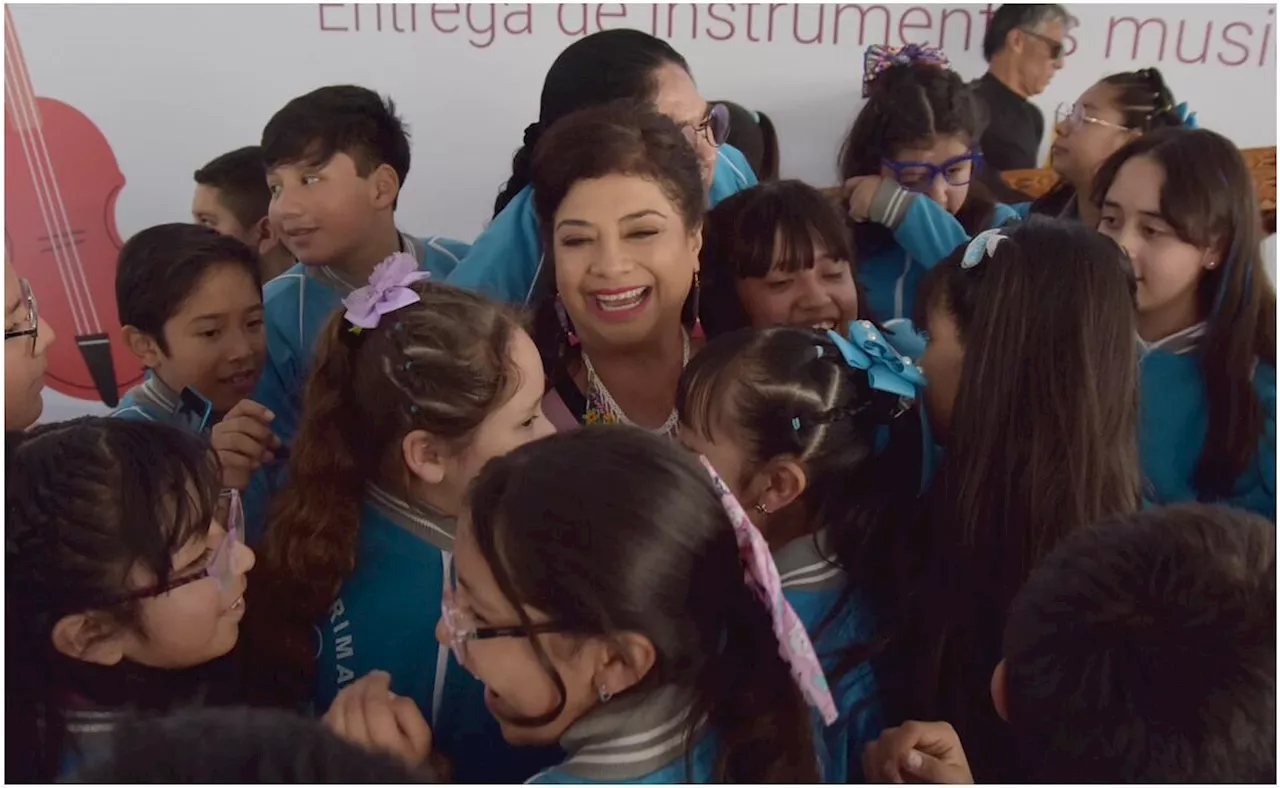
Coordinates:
x,y
604,693
1212,265
762,509
696,294
565,324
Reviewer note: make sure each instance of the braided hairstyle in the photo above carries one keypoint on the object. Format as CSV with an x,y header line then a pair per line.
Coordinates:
x,y
1145,103
911,105
787,392
441,365
87,501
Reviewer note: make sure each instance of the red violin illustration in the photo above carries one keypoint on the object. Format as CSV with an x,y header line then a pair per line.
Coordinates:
x,y
61,181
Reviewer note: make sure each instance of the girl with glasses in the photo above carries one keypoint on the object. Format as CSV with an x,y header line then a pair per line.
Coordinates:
x,y
622,621
907,166
1117,109
25,341
123,574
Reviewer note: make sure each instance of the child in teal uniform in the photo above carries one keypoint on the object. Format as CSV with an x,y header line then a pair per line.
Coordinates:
x,y
1141,651
1113,111
190,303
1182,204
607,66
416,386
232,197
1033,392
124,584
792,419
336,161
907,164
777,254
602,596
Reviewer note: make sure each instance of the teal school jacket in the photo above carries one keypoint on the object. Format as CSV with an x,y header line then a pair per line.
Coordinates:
x,y
925,233
1175,421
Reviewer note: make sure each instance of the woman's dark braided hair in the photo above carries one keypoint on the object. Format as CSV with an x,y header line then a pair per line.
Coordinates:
x,y
87,502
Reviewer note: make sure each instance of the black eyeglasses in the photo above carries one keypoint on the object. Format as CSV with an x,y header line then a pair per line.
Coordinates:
x,y
1055,46
33,318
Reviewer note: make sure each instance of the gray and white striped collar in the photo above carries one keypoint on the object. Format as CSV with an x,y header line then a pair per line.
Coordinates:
x,y
339,283
423,521
630,736
154,392
1185,341
804,564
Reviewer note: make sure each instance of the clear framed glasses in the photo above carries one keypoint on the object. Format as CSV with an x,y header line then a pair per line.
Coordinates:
x,y
1072,117
714,128
230,512
33,317
919,176
461,627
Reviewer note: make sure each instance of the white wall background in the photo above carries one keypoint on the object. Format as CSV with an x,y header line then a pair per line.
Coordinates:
x,y
171,86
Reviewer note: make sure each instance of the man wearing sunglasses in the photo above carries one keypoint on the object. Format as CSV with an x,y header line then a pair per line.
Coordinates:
x,y
1024,47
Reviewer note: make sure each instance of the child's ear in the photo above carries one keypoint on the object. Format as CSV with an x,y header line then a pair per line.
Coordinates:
x,y
622,662
423,456
784,481
386,186
143,345
89,637
999,690
266,237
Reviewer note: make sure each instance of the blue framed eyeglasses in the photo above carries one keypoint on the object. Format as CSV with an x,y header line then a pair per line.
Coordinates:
x,y
919,176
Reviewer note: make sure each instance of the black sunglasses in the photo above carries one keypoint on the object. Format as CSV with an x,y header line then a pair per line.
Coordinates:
x,y
1055,47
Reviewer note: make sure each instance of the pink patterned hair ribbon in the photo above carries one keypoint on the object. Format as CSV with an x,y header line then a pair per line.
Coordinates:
x,y
881,58
762,577
387,291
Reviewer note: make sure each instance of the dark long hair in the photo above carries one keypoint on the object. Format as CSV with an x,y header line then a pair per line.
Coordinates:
x,y
86,502
622,138
746,233
1209,200
656,556
1043,442
1145,103
440,365
753,134
603,67
757,384
912,105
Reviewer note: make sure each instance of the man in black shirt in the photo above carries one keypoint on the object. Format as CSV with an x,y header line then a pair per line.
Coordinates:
x,y
1024,47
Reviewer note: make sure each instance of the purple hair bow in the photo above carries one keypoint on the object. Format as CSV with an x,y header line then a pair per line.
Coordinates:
x,y
387,291
762,576
880,58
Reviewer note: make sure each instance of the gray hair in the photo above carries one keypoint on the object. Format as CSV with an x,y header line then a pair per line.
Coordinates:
x,y
1012,16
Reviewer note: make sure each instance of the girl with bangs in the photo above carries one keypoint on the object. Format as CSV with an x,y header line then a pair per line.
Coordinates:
x,y
1183,206
124,580
777,254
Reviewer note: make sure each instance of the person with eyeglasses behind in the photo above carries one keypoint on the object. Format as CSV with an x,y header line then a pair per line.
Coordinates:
x,y
124,584
612,65
1111,113
25,341
1024,47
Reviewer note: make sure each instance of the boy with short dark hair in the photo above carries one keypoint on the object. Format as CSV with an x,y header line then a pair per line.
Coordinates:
x,y
1142,650
336,160
190,303
231,196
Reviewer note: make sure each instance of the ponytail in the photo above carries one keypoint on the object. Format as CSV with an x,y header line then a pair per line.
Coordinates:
x,y
752,701
310,546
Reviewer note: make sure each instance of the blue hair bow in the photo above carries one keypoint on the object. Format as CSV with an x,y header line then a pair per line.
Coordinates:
x,y
983,245
1187,117
887,370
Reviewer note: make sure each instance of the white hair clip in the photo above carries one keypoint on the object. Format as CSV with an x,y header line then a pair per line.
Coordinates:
x,y
983,245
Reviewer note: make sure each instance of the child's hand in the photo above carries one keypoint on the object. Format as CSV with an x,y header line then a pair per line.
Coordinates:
x,y
858,192
368,714
244,442
925,751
